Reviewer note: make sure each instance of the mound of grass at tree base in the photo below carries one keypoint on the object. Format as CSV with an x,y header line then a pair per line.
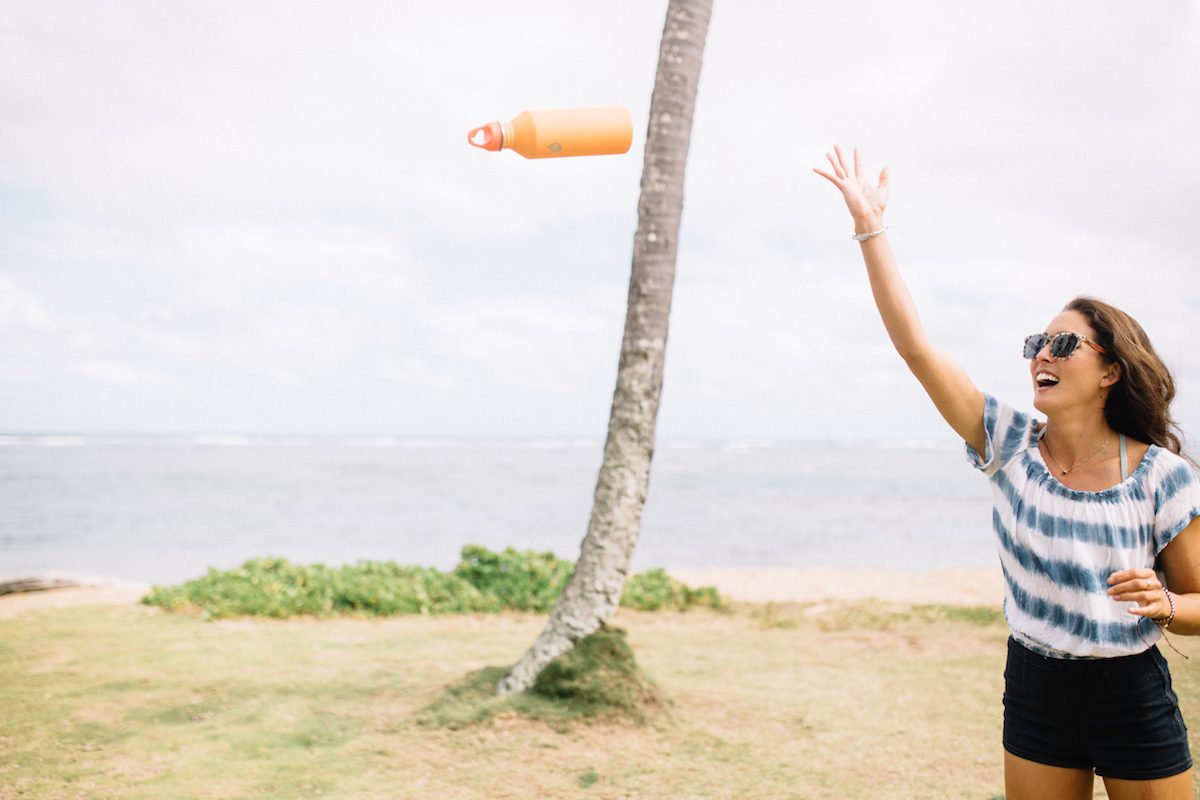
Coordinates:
x,y
599,678
482,581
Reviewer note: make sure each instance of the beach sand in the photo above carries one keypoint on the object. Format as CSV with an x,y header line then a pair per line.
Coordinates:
x,y
963,587
13,605
960,587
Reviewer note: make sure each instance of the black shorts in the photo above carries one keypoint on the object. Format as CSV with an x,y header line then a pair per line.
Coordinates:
x,y
1118,716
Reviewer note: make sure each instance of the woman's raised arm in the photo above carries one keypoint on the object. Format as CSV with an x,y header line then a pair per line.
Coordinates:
x,y
957,399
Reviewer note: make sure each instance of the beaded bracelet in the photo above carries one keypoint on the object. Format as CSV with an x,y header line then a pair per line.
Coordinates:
x,y
1166,623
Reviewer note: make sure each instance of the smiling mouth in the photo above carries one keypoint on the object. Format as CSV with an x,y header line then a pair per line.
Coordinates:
x,y
1045,380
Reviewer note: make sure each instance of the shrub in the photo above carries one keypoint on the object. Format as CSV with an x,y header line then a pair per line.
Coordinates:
x,y
524,581
655,590
483,581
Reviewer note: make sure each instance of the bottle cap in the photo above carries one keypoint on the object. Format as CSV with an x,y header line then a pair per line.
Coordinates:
x,y
487,137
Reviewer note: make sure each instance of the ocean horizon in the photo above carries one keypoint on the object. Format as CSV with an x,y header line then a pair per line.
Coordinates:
x,y
161,508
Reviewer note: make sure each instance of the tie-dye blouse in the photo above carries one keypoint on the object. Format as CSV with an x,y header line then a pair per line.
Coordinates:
x,y
1058,545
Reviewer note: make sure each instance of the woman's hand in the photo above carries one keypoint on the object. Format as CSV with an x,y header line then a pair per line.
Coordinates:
x,y
866,202
1143,587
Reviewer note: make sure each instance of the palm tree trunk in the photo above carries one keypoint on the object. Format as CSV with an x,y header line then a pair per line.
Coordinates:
x,y
594,591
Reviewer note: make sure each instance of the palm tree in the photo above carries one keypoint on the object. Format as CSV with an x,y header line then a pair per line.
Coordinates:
x,y
594,591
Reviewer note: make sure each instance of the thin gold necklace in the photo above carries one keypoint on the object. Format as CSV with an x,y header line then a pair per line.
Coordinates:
x,y
1050,453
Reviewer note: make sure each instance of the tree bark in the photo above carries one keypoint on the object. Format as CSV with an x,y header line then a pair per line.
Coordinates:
x,y
594,591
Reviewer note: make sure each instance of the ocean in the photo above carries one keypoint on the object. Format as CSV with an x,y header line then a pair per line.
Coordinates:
x,y
162,509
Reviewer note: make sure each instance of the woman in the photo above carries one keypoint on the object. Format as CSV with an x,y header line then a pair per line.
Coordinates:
x,y
1097,520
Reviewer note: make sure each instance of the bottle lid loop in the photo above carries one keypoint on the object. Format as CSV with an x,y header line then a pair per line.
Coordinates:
x,y
486,137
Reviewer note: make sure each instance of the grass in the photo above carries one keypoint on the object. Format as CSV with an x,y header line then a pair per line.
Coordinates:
x,y
848,702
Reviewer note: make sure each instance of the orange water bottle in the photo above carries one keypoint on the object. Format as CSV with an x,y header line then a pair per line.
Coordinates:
x,y
559,132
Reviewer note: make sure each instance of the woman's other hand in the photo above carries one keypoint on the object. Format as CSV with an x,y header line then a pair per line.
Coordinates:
x,y
866,202
1143,587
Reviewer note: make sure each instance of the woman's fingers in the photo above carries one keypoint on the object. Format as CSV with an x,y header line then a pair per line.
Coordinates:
x,y
1155,607
837,167
842,161
1130,575
1152,604
1140,586
1141,598
841,166
841,177
828,177
1134,587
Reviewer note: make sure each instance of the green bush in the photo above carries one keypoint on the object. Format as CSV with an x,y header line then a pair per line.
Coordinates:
x,y
655,590
524,581
275,587
386,588
267,587
482,581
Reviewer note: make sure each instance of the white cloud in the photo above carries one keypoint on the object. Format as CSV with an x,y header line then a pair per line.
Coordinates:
x,y
109,372
20,308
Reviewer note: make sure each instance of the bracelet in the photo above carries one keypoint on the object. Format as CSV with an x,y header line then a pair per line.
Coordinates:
x,y
862,237
1166,623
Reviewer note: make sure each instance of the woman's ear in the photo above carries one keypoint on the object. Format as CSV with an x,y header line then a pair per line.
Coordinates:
x,y
1111,375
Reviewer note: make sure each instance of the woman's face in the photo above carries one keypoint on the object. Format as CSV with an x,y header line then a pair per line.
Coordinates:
x,y
1077,383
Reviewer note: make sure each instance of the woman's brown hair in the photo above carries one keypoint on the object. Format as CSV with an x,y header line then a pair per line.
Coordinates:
x,y
1139,404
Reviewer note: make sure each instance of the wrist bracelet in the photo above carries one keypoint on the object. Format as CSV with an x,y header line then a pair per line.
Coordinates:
x,y
1166,623
862,237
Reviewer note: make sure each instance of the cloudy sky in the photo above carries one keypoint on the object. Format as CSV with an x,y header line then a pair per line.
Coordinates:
x,y
263,217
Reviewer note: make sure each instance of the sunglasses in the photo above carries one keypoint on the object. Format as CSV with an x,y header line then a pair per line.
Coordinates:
x,y
1062,345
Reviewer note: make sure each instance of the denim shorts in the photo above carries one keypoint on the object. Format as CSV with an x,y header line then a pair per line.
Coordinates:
x,y
1117,716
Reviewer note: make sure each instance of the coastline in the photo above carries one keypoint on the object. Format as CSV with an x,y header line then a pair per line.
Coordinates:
x,y
969,586
960,587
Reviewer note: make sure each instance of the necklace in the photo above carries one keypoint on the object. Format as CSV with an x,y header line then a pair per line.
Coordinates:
x,y
1065,470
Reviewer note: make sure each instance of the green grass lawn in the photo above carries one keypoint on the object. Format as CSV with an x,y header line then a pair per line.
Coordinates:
x,y
767,702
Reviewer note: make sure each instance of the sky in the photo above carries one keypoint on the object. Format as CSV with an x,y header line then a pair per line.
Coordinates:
x,y
264,217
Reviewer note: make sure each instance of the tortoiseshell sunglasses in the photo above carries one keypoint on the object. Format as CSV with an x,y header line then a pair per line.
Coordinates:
x,y
1062,345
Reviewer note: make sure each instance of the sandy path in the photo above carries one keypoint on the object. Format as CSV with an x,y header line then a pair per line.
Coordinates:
x,y
80,590
12,605
967,587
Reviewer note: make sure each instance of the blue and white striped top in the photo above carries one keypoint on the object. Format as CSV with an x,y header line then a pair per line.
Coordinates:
x,y
1058,545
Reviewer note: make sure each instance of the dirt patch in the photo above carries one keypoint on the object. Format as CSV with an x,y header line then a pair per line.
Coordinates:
x,y
960,587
